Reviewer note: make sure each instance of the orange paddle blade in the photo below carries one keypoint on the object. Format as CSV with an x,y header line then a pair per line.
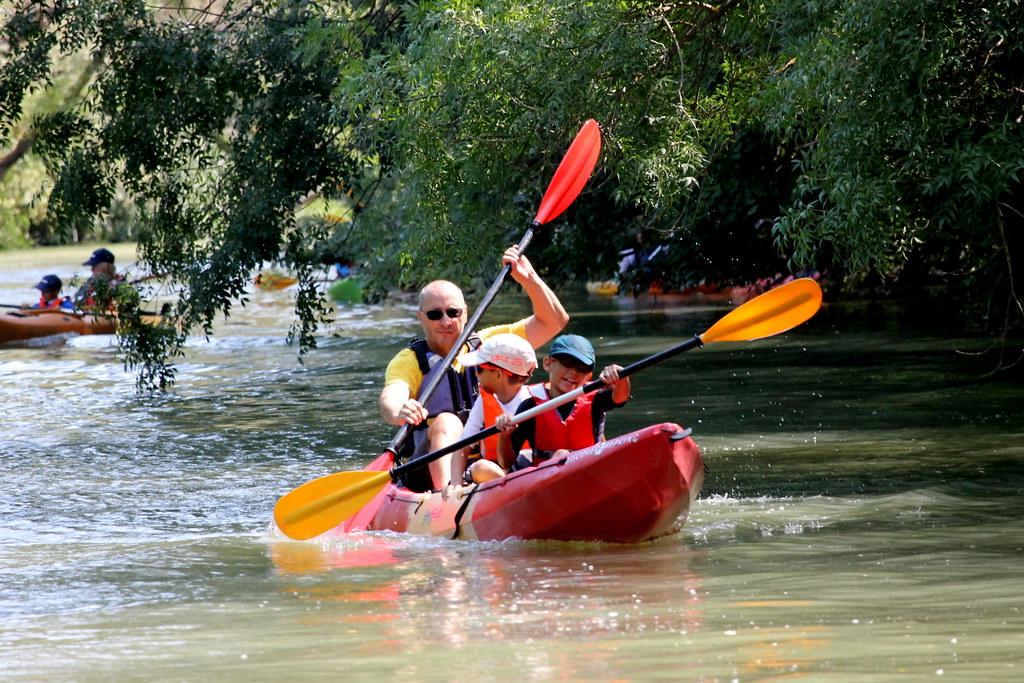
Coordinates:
x,y
324,503
572,174
773,312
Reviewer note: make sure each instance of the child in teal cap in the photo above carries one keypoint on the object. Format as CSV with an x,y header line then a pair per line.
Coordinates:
x,y
569,427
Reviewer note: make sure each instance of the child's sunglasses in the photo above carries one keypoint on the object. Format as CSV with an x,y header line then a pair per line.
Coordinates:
x,y
574,364
492,366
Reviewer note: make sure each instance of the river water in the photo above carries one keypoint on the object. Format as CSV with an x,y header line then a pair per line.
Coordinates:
x,y
862,517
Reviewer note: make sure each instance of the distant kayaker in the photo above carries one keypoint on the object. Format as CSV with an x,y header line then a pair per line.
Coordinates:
x,y
443,314
343,268
503,365
570,427
49,294
98,290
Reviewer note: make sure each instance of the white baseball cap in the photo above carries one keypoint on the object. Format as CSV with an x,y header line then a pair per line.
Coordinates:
x,y
508,351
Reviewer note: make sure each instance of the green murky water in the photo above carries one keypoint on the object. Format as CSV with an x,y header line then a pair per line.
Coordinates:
x,y
862,518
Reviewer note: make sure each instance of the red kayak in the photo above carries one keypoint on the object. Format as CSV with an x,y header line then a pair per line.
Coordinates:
x,y
632,488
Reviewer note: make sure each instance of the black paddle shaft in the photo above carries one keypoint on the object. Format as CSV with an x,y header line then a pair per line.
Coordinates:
x,y
644,363
426,391
633,368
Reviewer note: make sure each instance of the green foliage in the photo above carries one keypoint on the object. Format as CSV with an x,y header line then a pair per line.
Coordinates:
x,y
216,126
13,228
907,121
491,94
873,137
16,213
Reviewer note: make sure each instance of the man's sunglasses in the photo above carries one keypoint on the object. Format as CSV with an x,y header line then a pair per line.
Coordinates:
x,y
436,314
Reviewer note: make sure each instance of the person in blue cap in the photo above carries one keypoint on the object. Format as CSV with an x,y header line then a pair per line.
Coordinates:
x,y
103,281
49,294
569,427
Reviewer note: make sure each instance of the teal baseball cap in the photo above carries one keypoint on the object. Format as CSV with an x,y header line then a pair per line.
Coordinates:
x,y
574,346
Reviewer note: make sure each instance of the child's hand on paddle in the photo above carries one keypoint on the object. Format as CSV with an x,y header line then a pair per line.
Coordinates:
x,y
504,423
620,386
610,375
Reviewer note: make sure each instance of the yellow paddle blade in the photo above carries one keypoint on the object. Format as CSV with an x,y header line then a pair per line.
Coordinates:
x,y
324,503
773,312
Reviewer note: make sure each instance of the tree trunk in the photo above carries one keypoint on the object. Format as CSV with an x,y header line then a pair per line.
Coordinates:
x,y
15,155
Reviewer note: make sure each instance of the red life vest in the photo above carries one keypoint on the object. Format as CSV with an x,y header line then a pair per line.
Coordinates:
x,y
574,432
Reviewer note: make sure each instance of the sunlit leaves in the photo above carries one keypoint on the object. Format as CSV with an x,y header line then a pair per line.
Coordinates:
x,y
490,95
216,124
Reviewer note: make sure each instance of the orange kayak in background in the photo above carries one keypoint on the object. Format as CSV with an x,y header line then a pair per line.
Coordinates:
x,y
32,324
271,281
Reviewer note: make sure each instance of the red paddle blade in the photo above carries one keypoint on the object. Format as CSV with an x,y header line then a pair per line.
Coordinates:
x,y
572,174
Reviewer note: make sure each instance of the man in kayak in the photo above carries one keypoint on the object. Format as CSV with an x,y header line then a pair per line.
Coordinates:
x,y
503,365
49,295
569,427
443,314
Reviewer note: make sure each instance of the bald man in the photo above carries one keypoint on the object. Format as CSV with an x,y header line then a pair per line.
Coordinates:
x,y
442,313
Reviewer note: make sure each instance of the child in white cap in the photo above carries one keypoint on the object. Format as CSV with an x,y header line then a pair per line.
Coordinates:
x,y
504,363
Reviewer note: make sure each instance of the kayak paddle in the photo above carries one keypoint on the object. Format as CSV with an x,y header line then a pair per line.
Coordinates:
x,y
323,503
78,313
18,306
567,183
28,310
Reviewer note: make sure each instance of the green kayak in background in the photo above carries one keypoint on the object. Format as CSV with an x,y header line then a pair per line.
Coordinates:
x,y
346,290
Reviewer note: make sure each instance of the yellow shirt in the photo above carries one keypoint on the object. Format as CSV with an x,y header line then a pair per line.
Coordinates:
x,y
406,369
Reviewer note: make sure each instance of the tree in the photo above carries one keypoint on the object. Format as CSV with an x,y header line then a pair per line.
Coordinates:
x,y
905,119
216,124
874,137
488,96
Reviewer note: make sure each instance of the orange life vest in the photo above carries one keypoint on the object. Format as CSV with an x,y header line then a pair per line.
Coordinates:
x,y
51,304
492,409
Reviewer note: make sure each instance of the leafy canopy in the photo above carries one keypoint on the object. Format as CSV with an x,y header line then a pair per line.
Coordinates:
x,y
866,137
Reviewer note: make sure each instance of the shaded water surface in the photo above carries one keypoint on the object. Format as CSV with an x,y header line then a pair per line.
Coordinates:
x,y
862,517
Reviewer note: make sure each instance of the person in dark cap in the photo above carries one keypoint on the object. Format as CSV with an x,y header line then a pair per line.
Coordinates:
x,y
102,283
99,256
49,294
569,427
